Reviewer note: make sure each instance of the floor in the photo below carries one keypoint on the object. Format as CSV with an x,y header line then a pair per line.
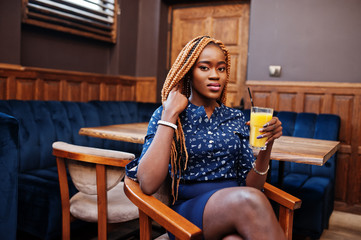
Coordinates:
x,y
124,231
343,225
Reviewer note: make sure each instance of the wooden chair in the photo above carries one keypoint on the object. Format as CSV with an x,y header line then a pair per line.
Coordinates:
x,y
97,174
150,208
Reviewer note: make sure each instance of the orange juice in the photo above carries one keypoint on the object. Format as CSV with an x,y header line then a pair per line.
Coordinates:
x,y
259,117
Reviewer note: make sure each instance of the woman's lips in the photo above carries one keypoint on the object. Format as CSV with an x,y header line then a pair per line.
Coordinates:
x,y
214,86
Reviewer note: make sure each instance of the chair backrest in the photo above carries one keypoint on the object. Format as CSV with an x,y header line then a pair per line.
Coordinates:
x,y
96,183
164,193
83,170
83,176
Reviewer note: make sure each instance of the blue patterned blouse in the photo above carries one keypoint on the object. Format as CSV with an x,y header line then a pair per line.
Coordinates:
x,y
217,146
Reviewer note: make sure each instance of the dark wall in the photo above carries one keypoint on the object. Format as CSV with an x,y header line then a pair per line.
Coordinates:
x,y
10,31
152,41
127,38
28,45
51,49
312,40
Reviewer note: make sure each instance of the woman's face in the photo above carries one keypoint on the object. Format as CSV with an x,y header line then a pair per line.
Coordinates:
x,y
209,76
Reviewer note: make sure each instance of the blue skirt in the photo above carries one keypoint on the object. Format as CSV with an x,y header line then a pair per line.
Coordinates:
x,y
192,198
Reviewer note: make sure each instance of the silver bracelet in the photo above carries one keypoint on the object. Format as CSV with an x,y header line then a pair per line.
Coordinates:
x,y
258,172
165,123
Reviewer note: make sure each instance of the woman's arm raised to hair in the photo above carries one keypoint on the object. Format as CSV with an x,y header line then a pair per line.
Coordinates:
x,y
153,167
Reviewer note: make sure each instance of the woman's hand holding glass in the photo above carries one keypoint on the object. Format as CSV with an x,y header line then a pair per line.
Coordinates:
x,y
272,130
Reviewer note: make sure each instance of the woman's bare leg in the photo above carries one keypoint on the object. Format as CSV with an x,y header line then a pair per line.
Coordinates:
x,y
232,237
242,211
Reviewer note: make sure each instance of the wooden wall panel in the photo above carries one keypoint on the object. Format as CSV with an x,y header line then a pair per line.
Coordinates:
x,y
25,88
144,90
93,91
263,98
288,101
343,99
313,103
234,71
2,86
341,177
342,106
73,91
128,91
26,83
111,92
50,90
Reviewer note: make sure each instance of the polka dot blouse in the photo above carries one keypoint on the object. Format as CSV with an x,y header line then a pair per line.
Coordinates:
x,y
217,146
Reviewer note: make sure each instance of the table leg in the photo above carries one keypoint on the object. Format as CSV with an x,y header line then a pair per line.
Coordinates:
x,y
281,170
269,175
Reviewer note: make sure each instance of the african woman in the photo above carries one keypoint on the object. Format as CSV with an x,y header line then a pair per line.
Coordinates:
x,y
203,146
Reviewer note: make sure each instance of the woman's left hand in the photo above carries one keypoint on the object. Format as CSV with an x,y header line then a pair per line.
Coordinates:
x,y
272,130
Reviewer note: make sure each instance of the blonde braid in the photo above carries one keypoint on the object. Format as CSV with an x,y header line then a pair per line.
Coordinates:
x,y
176,75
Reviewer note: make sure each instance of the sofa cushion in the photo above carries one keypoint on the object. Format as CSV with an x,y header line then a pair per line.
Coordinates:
x,y
313,184
39,202
294,181
327,128
316,208
120,208
8,176
34,141
28,129
288,120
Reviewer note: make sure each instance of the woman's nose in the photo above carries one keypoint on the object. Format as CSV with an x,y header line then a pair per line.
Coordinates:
x,y
214,74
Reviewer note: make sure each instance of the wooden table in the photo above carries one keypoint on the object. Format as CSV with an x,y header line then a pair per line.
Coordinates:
x,y
131,132
291,149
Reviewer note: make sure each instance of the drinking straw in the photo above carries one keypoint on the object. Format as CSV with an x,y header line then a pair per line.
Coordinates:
x,y
250,96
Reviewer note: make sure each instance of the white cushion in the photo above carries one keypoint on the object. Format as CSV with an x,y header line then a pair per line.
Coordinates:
x,y
83,176
163,237
120,208
164,194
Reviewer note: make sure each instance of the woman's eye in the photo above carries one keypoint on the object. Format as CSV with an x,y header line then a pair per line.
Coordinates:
x,y
222,69
204,68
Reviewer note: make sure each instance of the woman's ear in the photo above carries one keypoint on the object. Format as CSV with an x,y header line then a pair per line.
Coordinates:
x,y
187,83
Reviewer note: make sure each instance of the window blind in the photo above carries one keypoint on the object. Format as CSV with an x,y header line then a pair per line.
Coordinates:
x,y
89,18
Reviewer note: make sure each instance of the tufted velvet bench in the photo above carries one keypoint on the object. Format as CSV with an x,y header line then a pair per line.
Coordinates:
x,y
29,188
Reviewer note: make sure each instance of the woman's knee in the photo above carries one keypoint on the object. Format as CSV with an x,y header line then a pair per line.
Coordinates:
x,y
241,209
247,197
232,237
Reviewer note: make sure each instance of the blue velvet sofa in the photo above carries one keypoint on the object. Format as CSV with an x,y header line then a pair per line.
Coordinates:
x,y
314,185
29,189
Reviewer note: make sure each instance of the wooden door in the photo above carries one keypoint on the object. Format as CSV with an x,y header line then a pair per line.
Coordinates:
x,y
226,22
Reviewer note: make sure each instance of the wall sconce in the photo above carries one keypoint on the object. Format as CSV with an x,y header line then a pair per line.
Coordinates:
x,y
274,71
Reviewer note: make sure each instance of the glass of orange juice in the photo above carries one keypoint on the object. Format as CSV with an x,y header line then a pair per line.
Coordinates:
x,y
259,117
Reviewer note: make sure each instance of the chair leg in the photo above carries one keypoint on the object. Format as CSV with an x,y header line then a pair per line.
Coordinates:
x,y
102,202
145,225
286,221
66,225
64,195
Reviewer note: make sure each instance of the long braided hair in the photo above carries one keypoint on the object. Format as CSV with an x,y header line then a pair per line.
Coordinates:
x,y
180,74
